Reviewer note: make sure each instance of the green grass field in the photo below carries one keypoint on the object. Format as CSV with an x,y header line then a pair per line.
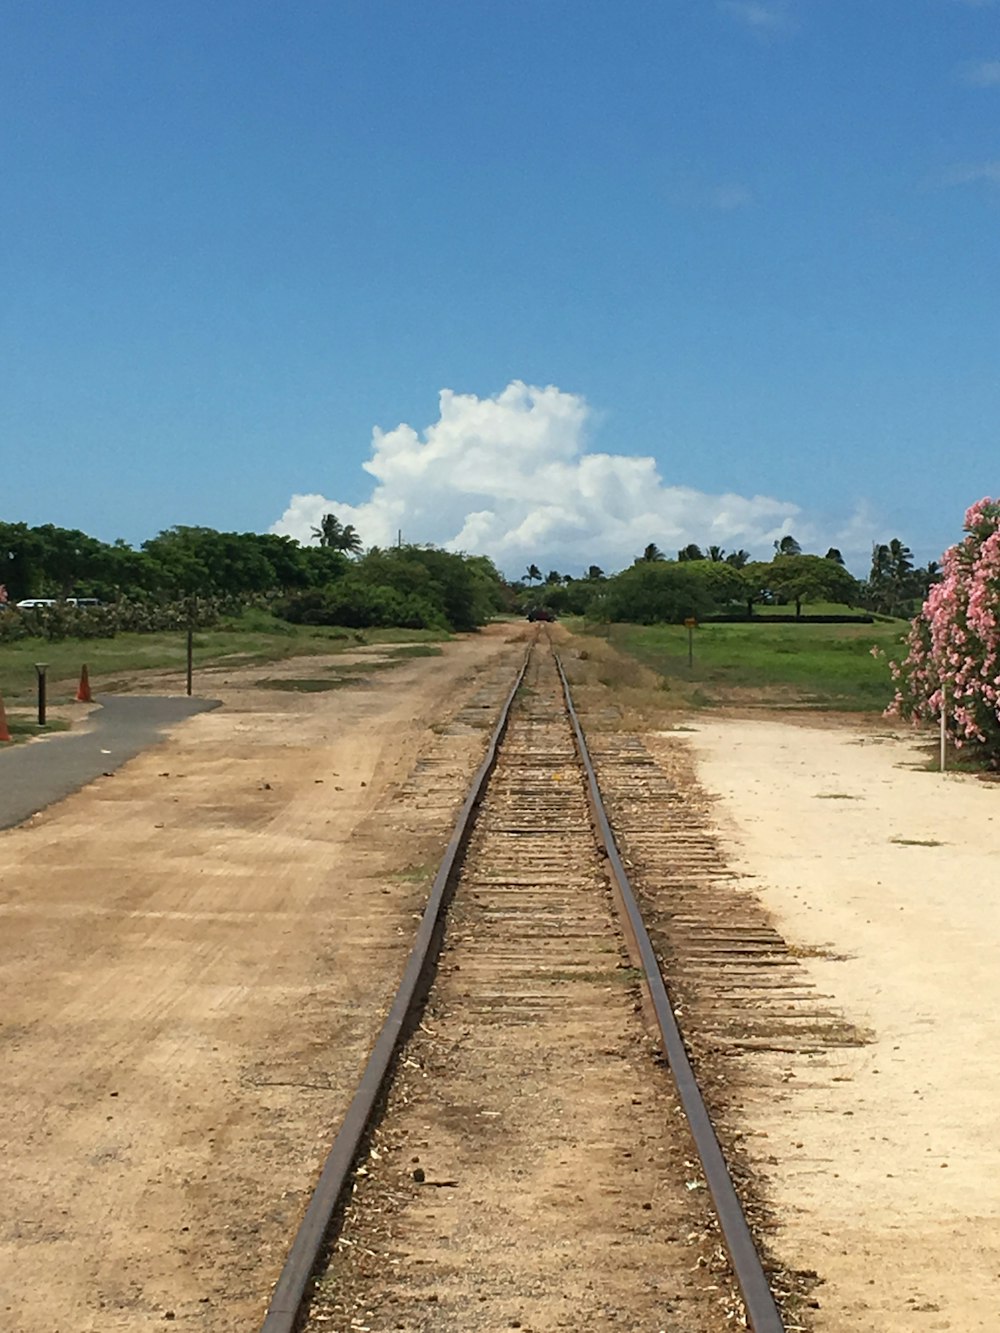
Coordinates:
x,y
779,666
256,637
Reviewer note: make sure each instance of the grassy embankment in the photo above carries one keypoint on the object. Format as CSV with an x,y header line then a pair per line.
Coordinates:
x,y
254,638
784,666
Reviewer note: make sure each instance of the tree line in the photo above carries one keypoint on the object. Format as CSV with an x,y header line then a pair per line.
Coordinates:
x,y
331,582
699,582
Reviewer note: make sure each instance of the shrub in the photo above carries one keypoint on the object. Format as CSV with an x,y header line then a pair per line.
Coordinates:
x,y
953,658
64,621
356,604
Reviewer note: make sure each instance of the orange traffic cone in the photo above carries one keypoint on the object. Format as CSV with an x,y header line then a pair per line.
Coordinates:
x,y
4,729
83,694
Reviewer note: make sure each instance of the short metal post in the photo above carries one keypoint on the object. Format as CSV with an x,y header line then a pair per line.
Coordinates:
x,y
40,670
944,727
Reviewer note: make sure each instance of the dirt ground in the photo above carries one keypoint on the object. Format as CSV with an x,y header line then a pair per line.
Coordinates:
x,y
194,955
884,1159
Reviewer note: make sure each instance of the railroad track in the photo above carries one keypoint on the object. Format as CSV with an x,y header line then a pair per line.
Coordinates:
x,y
532,1165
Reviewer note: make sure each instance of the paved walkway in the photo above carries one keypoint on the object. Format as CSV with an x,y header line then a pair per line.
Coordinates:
x,y
34,776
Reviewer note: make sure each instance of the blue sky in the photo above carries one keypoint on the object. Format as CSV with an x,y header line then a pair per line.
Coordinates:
x,y
756,243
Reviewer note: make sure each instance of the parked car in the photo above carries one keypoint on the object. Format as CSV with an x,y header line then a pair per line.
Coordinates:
x,y
33,603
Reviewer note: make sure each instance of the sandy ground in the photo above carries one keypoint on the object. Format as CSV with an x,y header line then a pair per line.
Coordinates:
x,y
884,1159
195,953
194,956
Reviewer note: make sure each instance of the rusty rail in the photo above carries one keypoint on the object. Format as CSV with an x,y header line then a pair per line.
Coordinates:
x,y
762,1313
289,1293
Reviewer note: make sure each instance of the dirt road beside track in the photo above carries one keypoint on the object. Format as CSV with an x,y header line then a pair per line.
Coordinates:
x,y
195,954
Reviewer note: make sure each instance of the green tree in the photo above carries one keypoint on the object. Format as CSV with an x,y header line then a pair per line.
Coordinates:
x,y
341,537
652,592
20,561
811,578
787,545
755,575
892,581
198,561
651,553
691,552
724,582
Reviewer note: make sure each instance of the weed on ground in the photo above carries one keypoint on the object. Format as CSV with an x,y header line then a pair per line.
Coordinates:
x,y
255,638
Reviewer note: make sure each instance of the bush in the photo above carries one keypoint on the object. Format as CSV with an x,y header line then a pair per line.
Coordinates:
x,y
953,659
410,587
63,621
358,605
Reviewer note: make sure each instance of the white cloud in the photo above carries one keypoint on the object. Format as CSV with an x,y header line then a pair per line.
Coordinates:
x,y
762,17
971,173
728,197
723,196
511,477
982,73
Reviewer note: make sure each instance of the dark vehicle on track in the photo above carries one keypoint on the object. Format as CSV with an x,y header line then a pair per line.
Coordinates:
x,y
541,613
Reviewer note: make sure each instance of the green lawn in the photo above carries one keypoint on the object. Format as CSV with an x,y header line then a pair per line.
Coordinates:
x,y
256,637
786,665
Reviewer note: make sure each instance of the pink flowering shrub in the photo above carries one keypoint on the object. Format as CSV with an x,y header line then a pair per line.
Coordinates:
x,y
954,642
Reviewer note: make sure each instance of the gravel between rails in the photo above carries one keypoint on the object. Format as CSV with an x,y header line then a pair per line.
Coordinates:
x,y
533,1169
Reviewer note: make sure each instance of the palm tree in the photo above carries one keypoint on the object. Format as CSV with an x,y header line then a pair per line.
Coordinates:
x,y
900,569
716,554
691,552
533,574
350,539
738,559
787,546
901,557
891,578
328,531
652,552
338,536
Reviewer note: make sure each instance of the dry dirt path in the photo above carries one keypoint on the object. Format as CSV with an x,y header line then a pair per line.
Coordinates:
x,y
194,955
884,1158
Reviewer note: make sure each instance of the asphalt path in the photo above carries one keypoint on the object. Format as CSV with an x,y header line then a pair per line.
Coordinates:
x,y
36,775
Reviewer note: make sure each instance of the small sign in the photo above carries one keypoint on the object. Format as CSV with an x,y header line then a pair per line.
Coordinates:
x,y
691,622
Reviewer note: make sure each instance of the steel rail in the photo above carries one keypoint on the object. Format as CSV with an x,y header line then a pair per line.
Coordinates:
x,y
290,1291
758,1299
